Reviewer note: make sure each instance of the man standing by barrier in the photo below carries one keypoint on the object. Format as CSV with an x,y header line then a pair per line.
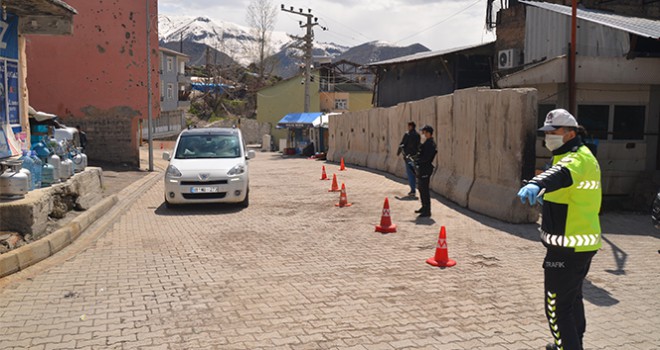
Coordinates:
x,y
425,168
410,146
570,229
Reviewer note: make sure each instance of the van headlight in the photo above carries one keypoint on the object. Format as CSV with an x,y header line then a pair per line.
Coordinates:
x,y
236,170
172,171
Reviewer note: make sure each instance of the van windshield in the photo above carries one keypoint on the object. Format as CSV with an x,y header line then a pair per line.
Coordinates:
x,y
208,146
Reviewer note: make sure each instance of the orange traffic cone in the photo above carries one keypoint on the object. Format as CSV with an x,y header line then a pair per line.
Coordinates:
x,y
343,200
342,167
441,258
335,186
324,176
161,145
386,225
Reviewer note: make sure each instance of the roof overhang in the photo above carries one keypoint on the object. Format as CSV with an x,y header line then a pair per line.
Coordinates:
x,y
44,17
172,52
639,26
432,54
601,70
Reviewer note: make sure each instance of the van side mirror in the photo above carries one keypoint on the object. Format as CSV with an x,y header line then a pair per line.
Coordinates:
x,y
251,154
166,156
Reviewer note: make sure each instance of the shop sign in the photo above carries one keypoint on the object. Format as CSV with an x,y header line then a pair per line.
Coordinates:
x,y
9,72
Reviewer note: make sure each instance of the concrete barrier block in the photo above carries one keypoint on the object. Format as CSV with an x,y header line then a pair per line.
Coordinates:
x,y
358,147
8,264
398,125
32,253
378,135
500,202
59,239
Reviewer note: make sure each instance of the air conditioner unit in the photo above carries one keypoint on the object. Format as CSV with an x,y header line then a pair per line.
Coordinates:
x,y
508,58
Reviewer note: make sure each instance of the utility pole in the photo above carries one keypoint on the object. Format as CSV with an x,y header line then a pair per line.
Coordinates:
x,y
309,45
149,92
572,91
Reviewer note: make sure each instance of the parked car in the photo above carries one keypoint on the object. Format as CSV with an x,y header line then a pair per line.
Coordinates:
x,y
208,165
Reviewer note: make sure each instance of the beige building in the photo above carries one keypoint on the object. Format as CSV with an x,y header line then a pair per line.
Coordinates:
x,y
330,93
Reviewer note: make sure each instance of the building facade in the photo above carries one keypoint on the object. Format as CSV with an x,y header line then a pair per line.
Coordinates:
x,y
175,89
617,82
19,19
330,92
435,73
98,77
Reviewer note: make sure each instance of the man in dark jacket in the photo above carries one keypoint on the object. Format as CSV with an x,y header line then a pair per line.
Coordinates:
x,y
410,146
425,168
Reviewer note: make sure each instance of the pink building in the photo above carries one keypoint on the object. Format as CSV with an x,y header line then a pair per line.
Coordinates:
x,y
97,77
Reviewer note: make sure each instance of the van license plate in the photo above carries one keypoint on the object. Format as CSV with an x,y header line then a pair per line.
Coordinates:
x,y
203,189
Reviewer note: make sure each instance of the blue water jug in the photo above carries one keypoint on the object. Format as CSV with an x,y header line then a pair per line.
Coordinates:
x,y
38,166
28,166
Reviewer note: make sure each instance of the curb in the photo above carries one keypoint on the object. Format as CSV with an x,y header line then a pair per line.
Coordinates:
x,y
76,236
32,253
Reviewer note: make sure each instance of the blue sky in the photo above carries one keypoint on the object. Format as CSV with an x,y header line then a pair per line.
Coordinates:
x,y
437,24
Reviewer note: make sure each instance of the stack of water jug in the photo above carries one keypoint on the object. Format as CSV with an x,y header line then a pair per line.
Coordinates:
x,y
49,162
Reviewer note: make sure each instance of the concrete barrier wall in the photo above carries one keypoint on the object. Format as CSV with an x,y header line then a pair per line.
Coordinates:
x,y
483,139
358,149
398,125
379,139
506,120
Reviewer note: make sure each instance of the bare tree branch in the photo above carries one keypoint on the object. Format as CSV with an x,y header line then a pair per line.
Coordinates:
x,y
262,16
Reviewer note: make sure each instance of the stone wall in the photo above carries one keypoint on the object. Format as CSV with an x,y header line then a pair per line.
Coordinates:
x,y
31,214
485,145
110,134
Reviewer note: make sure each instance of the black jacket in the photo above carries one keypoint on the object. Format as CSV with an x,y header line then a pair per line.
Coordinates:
x,y
410,143
427,152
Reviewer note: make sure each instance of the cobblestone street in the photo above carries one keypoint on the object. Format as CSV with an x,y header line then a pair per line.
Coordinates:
x,y
292,271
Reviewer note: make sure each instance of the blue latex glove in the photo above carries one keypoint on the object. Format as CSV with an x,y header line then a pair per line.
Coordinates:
x,y
530,193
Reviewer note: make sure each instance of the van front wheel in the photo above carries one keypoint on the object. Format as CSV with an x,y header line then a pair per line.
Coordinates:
x,y
246,202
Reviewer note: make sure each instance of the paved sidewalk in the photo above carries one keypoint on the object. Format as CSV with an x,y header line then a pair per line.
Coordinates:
x,y
294,272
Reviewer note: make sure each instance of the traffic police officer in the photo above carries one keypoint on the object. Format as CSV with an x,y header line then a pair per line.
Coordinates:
x,y
570,229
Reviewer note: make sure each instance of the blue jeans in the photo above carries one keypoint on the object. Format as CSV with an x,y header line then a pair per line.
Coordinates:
x,y
412,179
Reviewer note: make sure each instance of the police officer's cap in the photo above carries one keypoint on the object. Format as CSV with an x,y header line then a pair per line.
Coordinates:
x,y
427,128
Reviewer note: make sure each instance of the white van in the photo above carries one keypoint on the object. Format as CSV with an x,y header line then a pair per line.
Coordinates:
x,y
209,165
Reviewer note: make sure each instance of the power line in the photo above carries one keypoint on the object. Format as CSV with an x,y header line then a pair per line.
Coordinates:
x,y
438,23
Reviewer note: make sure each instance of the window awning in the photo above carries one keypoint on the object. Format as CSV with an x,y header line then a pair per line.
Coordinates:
x,y
298,120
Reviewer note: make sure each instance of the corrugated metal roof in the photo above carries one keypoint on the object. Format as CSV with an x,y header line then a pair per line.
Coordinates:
x,y
640,26
428,54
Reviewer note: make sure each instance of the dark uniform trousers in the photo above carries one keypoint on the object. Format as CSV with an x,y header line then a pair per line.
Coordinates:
x,y
564,276
424,193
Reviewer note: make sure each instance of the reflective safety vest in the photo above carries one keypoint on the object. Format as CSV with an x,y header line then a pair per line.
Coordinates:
x,y
573,209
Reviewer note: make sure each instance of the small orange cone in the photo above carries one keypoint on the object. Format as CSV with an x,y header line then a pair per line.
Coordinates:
x,y
386,225
161,145
343,200
342,167
441,258
324,176
335,186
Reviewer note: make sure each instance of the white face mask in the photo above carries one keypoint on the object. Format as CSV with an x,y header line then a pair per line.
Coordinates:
x,y
552,142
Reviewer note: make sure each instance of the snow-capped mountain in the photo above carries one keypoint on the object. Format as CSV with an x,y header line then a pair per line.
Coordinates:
x,y
229,42
237,41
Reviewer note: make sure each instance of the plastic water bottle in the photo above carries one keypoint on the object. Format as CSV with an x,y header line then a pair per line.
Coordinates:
x,y
28,166
38,165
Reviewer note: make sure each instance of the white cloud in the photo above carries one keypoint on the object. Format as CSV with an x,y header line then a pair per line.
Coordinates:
x,y
437,24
